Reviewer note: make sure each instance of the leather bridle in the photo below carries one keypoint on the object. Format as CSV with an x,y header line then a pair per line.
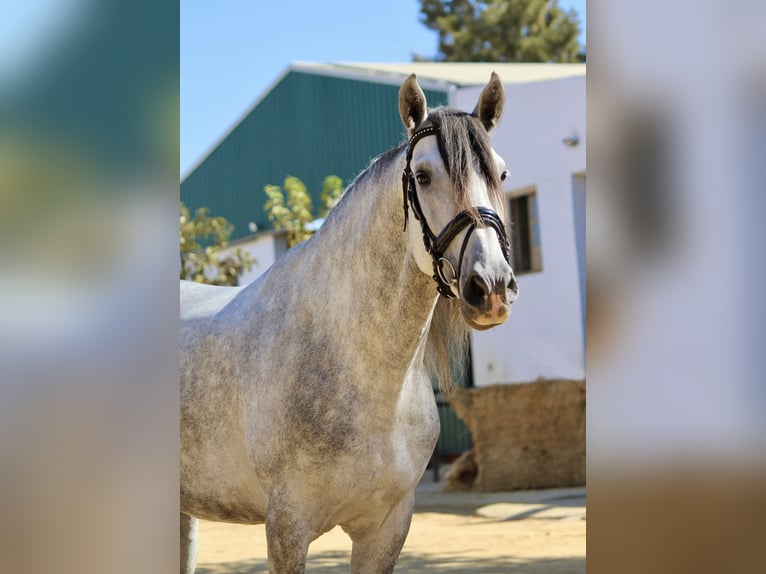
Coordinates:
x,y
436,246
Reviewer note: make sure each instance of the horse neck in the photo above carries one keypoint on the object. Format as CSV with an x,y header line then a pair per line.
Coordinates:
x,y
374,295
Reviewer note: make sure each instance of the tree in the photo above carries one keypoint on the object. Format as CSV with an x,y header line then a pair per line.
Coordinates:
x,y
205,264
294,212
503,30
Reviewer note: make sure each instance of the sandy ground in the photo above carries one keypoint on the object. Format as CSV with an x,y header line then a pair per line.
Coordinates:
x,y
533,532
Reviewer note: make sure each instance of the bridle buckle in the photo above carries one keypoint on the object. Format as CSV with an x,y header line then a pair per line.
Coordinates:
x,y
440,271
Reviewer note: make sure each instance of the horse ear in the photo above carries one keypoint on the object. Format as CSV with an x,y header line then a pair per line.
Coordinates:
x,y
412,104
491,102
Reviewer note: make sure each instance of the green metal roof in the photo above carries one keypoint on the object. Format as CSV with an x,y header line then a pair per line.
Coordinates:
x,y
308,126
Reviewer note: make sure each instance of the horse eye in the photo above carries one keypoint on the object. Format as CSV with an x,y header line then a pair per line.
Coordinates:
x,y
423,179
504,175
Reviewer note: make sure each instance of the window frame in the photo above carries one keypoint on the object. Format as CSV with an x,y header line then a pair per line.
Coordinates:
x,y
534,232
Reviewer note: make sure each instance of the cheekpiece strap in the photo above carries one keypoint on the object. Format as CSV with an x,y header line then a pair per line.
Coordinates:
x,y
408,180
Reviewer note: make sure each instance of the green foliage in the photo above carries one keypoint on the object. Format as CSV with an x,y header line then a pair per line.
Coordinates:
x,y
291,210
503,30
204,264
332,191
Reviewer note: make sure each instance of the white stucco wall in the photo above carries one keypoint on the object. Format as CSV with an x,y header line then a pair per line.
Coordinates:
x,y
264,247
544,335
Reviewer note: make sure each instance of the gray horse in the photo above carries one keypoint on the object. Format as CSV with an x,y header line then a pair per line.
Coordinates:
x,y
306,397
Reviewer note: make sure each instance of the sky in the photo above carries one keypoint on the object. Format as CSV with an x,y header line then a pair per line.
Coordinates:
x,y
233,50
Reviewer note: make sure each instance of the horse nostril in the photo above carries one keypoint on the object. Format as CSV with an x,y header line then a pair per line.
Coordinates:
x,y
513,286
476,290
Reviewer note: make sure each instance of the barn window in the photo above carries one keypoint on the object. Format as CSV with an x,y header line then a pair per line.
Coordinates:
x,y
525,231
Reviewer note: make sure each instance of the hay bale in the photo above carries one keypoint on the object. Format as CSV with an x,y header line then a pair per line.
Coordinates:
x,y
462,473
525,436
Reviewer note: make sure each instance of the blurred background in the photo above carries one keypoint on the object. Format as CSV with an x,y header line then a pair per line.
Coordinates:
x,y
89,120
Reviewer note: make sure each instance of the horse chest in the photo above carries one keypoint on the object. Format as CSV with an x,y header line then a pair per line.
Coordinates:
x,y
394,458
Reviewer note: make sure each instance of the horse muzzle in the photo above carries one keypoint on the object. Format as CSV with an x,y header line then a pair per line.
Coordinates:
x,y
486,302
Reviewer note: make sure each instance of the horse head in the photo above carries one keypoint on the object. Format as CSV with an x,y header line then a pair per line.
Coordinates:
x,y
452,184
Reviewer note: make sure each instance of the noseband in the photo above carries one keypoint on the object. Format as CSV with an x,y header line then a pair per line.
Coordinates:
x,y
436,246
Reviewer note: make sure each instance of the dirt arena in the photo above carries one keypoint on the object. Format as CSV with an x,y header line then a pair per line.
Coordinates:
x,y
532,532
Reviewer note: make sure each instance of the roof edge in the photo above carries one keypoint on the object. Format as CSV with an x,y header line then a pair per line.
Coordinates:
x,y
354,72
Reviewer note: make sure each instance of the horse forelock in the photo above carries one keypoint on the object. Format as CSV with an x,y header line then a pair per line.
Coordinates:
x,y
464,143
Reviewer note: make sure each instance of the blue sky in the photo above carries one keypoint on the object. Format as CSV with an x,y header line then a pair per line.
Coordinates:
x,y
232,50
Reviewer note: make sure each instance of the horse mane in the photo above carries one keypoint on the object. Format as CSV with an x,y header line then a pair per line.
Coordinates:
x,y
447,345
